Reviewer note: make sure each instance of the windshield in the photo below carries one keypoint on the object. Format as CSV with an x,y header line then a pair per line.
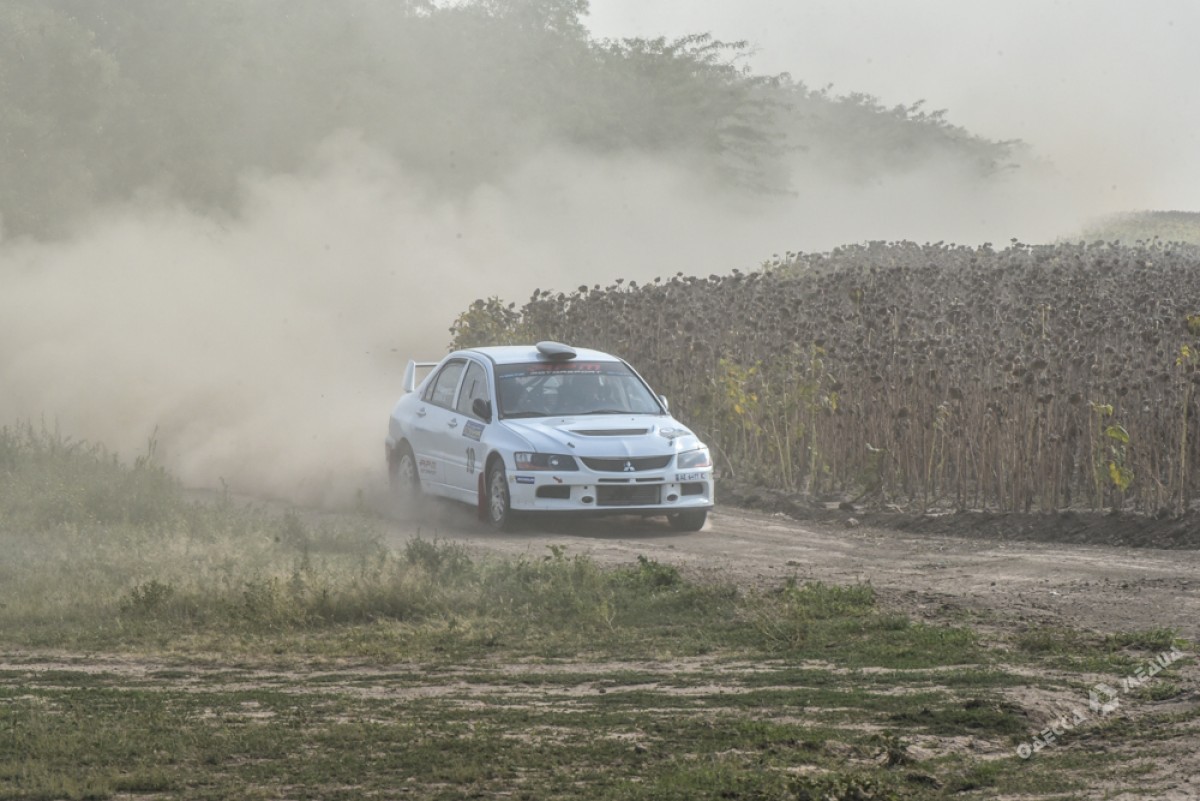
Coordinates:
x,y
562,389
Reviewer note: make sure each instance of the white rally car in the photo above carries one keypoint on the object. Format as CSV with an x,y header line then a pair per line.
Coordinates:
x,y
546,428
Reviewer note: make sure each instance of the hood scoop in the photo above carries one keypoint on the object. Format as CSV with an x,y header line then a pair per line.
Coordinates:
x,y
611,432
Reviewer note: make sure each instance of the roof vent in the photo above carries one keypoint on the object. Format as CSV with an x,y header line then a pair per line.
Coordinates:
x,y
556,351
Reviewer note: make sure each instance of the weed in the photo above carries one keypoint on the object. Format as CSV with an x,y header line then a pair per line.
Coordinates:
x,y
1155,640
654,575
147,599
1049,640
471,696
1163,690
894,750
438,558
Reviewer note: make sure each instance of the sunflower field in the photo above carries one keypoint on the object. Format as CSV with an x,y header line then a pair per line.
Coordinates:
x,y
935,376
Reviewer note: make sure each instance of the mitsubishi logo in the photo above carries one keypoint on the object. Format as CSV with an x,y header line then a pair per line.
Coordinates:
x,y
629,468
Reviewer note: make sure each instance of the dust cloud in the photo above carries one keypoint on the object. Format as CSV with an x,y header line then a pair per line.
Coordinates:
x,y
263,349
1102,87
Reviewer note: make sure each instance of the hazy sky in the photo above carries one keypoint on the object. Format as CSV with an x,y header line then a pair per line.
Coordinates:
x,y
1107,89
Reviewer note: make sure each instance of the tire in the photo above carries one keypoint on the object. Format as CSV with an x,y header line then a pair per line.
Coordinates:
x,y
692,520
499,508
402,473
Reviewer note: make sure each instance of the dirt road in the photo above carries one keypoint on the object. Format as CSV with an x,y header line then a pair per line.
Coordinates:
x,y
1102,588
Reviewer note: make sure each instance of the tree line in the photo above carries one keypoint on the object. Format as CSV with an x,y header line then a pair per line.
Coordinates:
x,y
102,99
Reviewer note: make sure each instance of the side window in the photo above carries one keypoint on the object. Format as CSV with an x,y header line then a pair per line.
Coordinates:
x,y
474,386
441,391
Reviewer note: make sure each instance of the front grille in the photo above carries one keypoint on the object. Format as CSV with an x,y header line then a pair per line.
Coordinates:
x,y
556,491
628,495
629,465
692,488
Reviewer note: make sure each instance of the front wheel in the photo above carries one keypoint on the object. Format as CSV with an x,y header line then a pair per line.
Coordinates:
x,y
499,507
403,473
691,520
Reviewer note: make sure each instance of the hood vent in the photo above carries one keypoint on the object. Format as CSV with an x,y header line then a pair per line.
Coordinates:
x,y
612,432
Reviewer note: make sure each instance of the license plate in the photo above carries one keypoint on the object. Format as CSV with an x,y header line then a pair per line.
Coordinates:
x,y
680,477
629,495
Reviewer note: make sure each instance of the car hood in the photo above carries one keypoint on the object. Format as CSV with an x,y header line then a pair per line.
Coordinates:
x,y
612,436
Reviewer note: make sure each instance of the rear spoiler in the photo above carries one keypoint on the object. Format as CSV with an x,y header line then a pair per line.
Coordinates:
x,y
415,373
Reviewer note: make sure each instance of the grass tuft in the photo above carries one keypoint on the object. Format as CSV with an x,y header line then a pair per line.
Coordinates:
x,y
229,618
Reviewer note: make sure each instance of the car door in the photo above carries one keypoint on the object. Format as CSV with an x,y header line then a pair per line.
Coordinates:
x,y
434,428
464,462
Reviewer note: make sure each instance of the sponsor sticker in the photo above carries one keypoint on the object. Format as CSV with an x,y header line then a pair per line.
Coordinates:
x,y
473,430
470,461
689,476
427,466
525,479
543,368
509,372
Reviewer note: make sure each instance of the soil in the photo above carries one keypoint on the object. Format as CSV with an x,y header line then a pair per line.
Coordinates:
x,y
1105,573
1098,572
1011,572
1125,529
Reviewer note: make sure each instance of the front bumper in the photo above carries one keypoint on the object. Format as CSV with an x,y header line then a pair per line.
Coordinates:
x,y
653,492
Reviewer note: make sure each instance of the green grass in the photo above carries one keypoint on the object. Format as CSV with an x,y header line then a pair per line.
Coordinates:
x,y
1158,640
328,741
167,574
212,733
157,647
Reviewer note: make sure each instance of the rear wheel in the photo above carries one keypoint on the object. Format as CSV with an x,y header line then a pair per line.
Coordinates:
x,y
403,473
692,520
499,508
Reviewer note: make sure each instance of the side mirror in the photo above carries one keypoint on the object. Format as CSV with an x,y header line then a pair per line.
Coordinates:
x,y
482,408
663,400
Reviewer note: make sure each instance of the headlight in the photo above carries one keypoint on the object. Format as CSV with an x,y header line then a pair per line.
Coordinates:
x,y
692,460
545,461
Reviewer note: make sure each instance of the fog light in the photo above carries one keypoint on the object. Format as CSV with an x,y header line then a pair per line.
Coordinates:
x,y
672,498
587,499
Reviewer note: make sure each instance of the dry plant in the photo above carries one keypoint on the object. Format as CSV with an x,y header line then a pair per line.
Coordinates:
x,y
931,376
